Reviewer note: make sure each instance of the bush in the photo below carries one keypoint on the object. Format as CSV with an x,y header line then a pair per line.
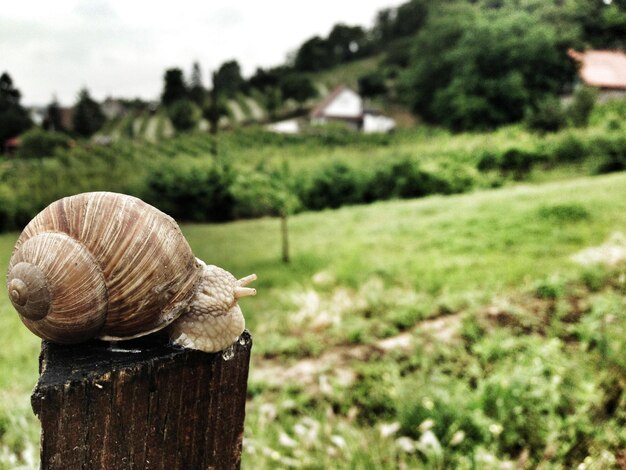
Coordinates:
x,y
569,149
403,179
488,161
184,115
546,116
517,161
38,143
332,186
372,84
191,190
579,111
612,151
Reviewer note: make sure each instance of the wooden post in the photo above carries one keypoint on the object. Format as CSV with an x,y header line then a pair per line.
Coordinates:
x,y
141,404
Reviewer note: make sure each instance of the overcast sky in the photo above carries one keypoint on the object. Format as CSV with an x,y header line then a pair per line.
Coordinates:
x,y
122,47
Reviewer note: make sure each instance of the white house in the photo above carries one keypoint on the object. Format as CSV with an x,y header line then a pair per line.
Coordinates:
x,y
345,105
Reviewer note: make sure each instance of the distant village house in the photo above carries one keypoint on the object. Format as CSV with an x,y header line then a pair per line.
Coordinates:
x,y
342,105
345,105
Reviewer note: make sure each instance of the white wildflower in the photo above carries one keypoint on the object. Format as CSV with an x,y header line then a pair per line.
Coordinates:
x,y
406,444
286,441
389,429
339,441
268,411
426,425
457,438
495,429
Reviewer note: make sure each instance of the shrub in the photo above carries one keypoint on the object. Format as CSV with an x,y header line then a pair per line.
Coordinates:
x,y
403,179
546,116
332,186
372,84
488,161
517,161
38,143
191,190
579,111
569,149
184,115
7,207
612,151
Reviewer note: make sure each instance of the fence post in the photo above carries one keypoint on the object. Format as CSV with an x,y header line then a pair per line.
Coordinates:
x,y
141,404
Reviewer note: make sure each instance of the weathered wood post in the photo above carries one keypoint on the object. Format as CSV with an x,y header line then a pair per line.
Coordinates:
x,y
141,404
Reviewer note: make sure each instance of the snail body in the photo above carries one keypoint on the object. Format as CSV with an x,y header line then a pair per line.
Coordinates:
x,y
109,266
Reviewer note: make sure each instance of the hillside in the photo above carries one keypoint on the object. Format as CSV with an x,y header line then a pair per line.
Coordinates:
x,y
392,336
250,108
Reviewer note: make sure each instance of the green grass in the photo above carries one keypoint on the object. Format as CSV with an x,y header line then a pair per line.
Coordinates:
x,y
378,270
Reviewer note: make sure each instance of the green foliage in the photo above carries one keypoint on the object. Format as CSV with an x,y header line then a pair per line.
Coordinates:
x,y
39,143
191,189
297,87
612,150
197,92
562,213
13,117
227,79
546,116
184,115
88,117
263,193
372,84
174,87
52,121
579,111
517,162
479,69
570,149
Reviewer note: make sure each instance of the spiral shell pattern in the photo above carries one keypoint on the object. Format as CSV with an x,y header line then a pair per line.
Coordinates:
x,y
101,264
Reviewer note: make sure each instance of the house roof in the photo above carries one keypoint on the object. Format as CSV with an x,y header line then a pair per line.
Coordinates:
x,y
604,69
318,110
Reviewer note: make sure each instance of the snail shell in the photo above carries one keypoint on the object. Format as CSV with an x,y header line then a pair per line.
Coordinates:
x,y
110,266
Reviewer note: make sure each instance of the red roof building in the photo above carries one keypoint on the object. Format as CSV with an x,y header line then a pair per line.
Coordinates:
x,y
601,69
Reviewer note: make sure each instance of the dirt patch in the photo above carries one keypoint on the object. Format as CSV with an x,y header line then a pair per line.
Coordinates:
x,y
336,362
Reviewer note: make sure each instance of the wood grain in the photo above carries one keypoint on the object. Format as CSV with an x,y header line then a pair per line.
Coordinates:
x,y
141,404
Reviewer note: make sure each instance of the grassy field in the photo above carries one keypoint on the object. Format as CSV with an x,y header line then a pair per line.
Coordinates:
x,y
444,332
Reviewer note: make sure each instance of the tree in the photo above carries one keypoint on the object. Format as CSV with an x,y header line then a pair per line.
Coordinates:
x,y
174,87
14,118
346,42
297,87
372,84
38,143
268,78
410,17
197,93
228,80
88,117
473,70
315,54
273,100
184,115
261,193
52,121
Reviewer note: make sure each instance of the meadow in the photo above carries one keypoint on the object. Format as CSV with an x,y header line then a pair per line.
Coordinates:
x,y
442,332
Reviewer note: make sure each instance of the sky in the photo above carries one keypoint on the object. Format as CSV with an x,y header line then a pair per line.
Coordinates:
x,y
122,48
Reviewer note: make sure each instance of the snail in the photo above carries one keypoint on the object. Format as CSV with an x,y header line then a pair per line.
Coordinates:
x,y
110,266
